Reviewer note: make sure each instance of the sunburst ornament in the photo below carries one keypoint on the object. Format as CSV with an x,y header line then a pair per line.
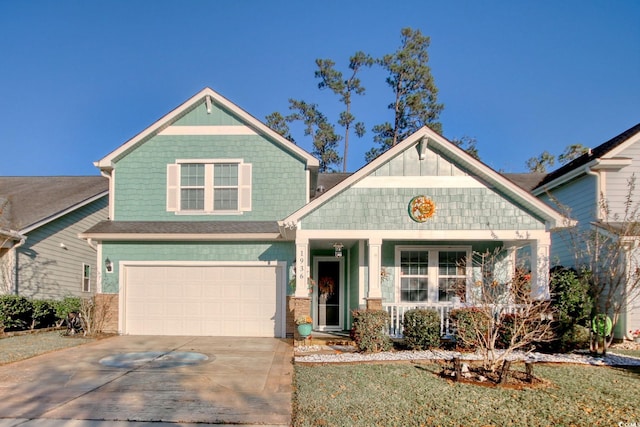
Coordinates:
x,y
421,208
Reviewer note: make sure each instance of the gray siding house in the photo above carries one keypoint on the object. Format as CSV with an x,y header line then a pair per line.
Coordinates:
x,y
41,255
595,189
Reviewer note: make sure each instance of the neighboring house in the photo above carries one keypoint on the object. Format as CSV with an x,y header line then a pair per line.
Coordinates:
x,y
219,226
41,255
596,179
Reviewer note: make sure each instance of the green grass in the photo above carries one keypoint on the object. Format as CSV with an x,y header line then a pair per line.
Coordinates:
x,y
20,347
394,394
634,353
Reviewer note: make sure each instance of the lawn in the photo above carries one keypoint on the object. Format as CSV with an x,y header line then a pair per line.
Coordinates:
x,y
19,347
391,394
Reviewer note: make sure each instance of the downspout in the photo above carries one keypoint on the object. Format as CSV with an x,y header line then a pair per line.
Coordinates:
x,y
590,172
15,247
109,176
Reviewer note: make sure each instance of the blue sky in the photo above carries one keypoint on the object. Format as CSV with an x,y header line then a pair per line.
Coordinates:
x,y
78,78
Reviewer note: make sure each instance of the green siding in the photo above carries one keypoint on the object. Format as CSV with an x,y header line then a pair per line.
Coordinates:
x,y
386,209
198,116
48,271
278,186
408,163
187,251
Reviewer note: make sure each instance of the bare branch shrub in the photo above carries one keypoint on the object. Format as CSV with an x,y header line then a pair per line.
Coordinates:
x,y
505,316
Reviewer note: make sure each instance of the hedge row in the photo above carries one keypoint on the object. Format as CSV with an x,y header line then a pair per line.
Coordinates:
x,y
422,330
19,313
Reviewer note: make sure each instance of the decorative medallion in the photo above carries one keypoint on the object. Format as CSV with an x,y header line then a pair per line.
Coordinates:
x,y
421,208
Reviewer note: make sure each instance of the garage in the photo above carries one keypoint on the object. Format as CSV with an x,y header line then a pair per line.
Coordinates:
x,y
203,300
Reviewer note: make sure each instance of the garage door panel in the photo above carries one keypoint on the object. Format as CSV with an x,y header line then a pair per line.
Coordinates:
x,y
203,300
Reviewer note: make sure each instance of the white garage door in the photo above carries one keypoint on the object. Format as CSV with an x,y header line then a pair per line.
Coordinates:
x,y
202,300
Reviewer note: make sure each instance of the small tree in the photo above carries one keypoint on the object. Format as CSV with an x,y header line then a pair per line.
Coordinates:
x,y
506,317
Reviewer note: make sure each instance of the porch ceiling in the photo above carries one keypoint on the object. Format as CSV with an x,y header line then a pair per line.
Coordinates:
x,y
327,244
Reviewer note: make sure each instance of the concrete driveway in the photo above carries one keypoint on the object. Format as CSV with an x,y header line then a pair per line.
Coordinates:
x,y
143,378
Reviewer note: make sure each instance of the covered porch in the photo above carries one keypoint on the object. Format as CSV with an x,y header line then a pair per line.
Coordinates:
x,y
335,276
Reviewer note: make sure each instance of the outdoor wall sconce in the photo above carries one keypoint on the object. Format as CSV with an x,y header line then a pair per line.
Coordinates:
x,y
108,265
338,249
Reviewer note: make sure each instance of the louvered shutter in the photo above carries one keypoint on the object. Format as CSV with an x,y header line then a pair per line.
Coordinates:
x,y
173,188
244,187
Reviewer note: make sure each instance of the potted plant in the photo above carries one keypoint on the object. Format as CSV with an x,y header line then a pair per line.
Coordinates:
x,y
636,335
305,324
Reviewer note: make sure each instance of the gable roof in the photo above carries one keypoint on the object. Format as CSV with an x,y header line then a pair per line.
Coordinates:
x,y
32,201
421,138
527,181
205,96
607,149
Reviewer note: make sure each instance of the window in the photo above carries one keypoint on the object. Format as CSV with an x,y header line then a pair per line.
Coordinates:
x,y
192,187
414,284
86,278
431,274
452,275
209,187
225,187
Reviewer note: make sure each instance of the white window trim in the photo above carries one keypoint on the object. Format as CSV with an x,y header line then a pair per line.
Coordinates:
x,y
88,278
432,269
244,187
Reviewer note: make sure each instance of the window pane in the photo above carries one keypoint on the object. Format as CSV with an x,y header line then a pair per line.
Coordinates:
x,y
192,199
413,289
192,175
451,263
414,262
451,287
225,175
225,199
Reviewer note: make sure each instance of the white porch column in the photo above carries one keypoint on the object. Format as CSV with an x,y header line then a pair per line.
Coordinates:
x,y
375,249
302,268
540,268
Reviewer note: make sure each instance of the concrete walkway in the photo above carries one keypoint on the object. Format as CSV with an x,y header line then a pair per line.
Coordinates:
x,y
240,381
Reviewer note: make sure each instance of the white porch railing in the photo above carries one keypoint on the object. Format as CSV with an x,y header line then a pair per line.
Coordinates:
x,y
397,311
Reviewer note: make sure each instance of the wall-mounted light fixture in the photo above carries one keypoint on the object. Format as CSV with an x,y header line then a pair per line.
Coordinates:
x,y
63,246
337,247
108,265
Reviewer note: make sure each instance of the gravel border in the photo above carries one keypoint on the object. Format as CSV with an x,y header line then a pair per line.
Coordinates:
x,y
347,354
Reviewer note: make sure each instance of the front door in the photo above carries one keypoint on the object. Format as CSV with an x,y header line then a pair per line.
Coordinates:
x,y
328,294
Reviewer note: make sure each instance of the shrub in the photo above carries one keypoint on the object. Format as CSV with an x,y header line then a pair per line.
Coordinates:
x,y
369,330
573,306
15,312
44,314
465,321
421,329
65,306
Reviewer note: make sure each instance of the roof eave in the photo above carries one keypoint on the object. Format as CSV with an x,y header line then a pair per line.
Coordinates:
x,y
63,212
105,237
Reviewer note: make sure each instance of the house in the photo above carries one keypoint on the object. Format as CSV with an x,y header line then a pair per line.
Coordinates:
x,y
41,255
219,226
595,189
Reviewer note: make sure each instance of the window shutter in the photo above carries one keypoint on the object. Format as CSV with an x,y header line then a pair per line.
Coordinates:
x,y
244,190
173,188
